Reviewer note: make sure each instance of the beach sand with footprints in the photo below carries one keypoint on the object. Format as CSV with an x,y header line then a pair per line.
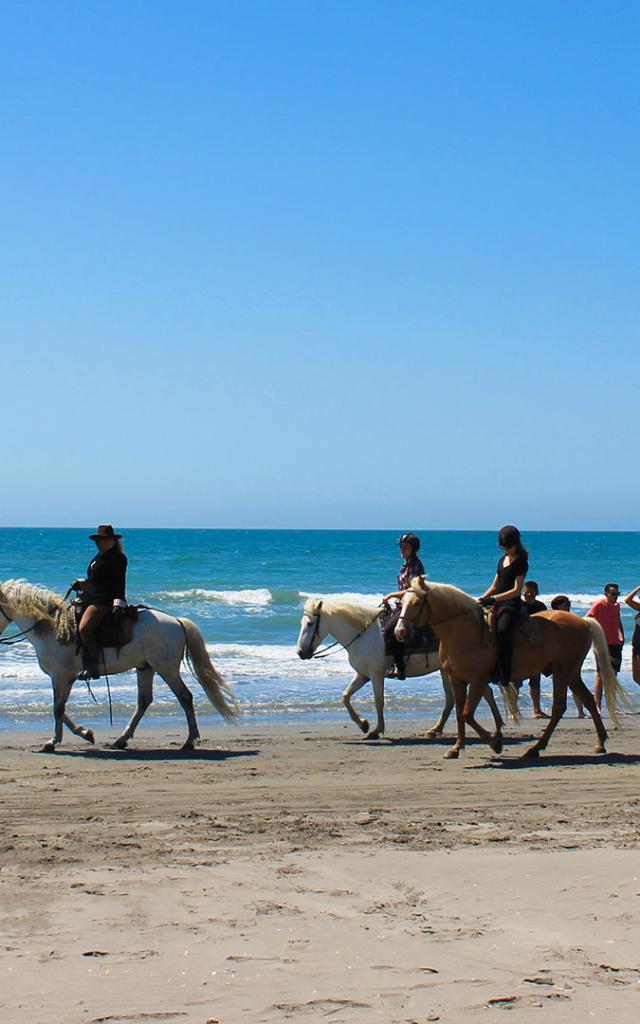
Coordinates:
x,y
300,874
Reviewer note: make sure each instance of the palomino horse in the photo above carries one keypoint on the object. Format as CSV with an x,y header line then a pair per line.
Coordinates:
x,y
159,644
557,645
355,627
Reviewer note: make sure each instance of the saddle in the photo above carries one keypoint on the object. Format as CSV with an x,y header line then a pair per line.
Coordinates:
x,y
525,632
115,631
421,639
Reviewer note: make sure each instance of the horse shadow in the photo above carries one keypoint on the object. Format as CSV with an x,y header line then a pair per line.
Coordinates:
x,y
426,741
153,754
554,761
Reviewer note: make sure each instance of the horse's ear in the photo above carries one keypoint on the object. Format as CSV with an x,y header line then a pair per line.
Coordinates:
x,y
319,607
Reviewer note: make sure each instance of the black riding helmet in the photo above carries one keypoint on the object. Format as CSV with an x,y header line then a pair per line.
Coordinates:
x,y
412,539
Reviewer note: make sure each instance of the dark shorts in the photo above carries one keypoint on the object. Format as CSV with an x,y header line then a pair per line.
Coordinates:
x,y
615,653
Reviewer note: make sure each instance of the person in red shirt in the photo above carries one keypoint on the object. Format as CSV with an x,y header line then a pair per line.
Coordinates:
x,y
606,611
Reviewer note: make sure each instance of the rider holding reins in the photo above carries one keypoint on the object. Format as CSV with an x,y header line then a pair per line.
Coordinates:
x,y
102,591
412,567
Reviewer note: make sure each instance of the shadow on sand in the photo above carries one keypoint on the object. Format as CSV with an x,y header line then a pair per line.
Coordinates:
x,y
426,741
152,754
554,761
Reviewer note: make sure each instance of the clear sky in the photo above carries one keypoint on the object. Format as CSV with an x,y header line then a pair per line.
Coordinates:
x,y
320,264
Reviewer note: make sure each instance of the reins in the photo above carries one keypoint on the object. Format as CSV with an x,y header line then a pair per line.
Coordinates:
x,y
458,615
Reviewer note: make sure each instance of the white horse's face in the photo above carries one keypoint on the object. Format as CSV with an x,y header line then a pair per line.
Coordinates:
x,y
312,633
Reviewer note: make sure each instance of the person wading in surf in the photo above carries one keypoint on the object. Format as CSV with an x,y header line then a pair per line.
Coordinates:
x,y
504,593
412,567
102,591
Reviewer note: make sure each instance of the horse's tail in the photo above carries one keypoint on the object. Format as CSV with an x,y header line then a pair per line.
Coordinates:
x,y
217,690
510,694
614,694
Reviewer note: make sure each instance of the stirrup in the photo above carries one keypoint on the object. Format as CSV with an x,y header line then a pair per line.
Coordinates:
x,y
87,675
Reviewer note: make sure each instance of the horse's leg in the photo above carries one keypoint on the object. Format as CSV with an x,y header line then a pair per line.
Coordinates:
x,y
356,684
79,730
474,695
185,698
495,710
145,698
459,694
558,709
378,692
61,690
582,692
438,728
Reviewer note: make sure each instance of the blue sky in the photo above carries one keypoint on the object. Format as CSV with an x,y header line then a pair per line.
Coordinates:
x,y
319,264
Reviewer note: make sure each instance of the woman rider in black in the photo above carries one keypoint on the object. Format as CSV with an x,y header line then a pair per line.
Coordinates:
x,y
102,591
505,592
412,567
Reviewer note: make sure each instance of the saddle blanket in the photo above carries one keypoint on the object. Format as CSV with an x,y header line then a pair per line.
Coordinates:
x,y
115,631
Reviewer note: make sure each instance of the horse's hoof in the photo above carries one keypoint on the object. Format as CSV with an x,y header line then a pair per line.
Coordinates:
x,y
600,748
119,744
48,748
497,745
432,734
89,736
375,735
531,753
452,754
190,744
365,726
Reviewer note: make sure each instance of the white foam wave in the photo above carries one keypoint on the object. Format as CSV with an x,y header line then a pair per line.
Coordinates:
x,y
259,597
577,600
370,600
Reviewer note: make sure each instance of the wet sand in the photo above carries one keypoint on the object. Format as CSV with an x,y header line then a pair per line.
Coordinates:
x,y
303,874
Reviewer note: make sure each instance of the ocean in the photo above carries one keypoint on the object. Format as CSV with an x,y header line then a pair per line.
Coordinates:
x,y
245,589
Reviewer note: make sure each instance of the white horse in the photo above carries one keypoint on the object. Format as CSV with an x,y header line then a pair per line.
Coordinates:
x,y
159,644
356,628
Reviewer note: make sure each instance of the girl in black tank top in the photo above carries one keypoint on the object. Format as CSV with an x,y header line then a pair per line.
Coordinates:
x,y
505,593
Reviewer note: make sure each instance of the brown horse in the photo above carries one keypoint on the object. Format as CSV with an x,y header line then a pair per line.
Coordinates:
x,y
553,643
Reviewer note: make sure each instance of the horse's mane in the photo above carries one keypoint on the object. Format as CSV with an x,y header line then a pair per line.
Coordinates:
x,y
32,600
358,615
455,599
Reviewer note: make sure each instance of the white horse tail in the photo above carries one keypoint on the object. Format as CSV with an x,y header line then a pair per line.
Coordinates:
x,y
510,694
217,690
614,694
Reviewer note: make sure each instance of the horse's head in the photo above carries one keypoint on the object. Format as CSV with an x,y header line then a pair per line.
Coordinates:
x,y
312,630
7,613
414,609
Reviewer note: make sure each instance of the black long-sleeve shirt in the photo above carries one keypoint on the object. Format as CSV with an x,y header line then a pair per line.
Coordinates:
x,y
106,578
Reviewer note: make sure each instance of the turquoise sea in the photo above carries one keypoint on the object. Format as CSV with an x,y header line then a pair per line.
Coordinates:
x,y
245,590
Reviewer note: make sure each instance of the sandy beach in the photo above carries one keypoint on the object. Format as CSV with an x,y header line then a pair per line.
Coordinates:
x,y
296,873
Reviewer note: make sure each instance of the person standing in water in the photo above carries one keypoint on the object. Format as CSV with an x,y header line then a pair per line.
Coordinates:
x,y
531,606
504,593
631,600
409,546
606,611
561,603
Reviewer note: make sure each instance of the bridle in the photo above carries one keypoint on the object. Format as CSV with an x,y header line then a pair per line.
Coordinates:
x,y
326,651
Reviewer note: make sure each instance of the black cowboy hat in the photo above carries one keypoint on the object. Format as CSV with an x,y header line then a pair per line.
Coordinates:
x,y
105,532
